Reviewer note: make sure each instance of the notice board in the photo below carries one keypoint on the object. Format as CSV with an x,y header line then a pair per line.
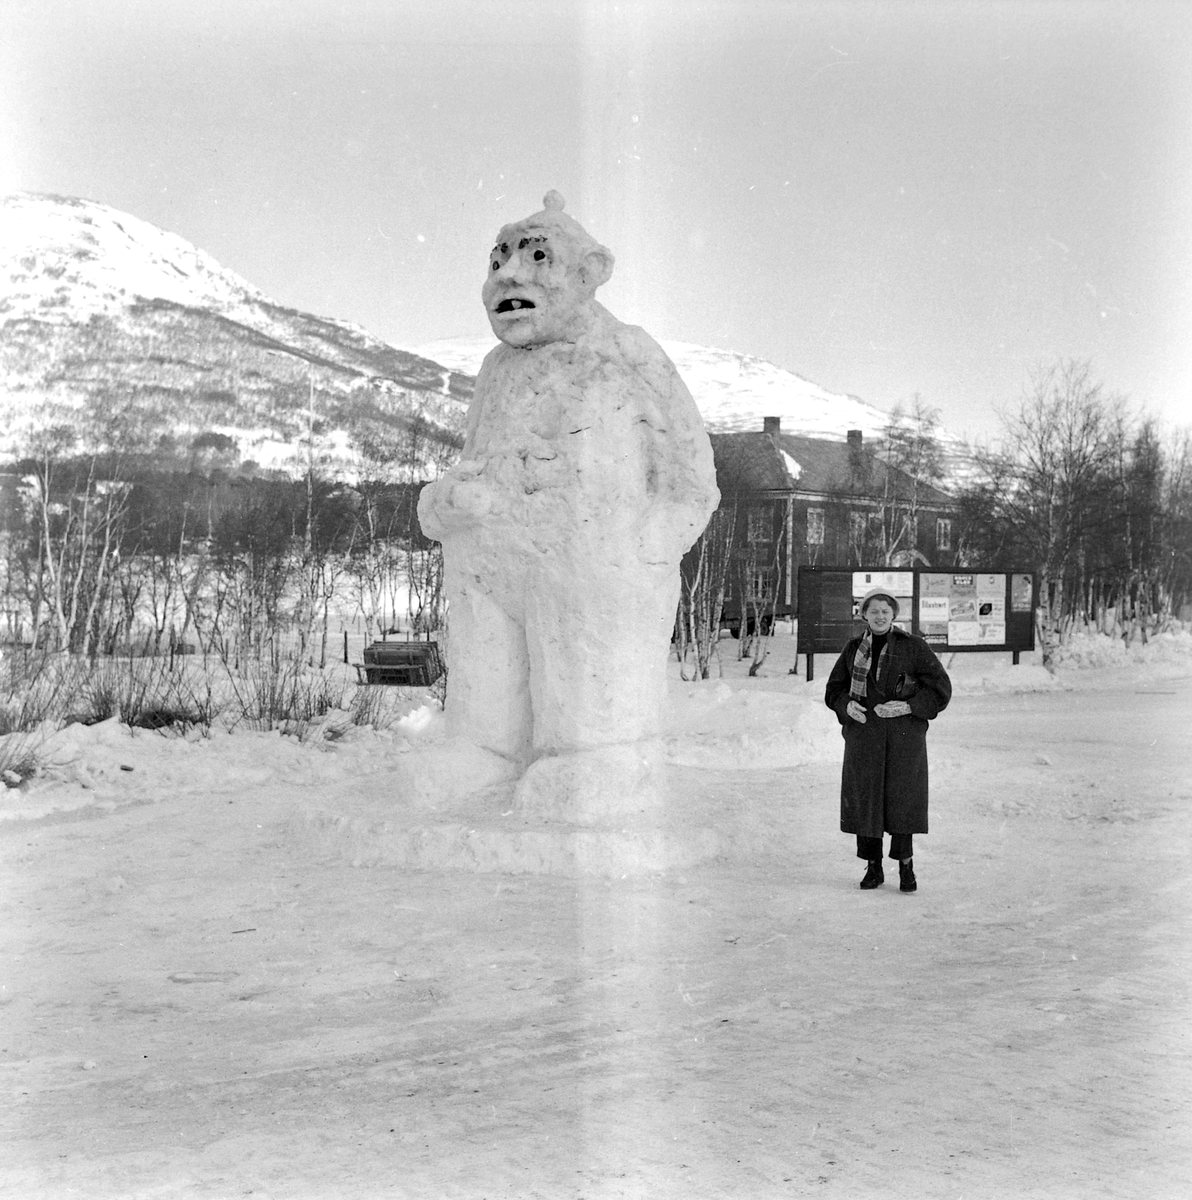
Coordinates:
x,y
951,610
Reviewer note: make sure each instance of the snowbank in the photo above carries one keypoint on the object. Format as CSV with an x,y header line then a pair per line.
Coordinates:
x,y
774,720
742,724
1165,654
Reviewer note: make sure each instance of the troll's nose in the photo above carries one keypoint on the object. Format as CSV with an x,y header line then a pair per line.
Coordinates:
x,y
513,268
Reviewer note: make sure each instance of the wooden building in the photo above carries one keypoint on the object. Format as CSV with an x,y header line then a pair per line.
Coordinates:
x,y
788,500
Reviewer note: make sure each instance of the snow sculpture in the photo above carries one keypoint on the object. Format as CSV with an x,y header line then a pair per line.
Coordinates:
x,y
585,475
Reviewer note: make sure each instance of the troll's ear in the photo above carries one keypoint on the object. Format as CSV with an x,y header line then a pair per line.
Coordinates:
x,y
596,267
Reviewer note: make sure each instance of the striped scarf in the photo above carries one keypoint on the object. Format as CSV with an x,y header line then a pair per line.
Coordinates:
x,y
858,688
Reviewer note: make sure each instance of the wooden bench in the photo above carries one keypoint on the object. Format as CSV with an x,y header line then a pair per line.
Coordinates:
x,y
402,664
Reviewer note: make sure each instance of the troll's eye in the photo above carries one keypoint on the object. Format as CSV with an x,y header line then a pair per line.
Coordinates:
x,y
496,265
539,255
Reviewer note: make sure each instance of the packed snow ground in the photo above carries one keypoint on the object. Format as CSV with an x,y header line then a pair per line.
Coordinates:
x,y
198,1000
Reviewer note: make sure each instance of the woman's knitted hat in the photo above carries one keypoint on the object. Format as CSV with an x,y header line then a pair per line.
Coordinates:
x,y
878,594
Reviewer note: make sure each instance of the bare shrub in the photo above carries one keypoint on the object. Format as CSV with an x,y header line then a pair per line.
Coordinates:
x,y
438,689
35,687
145,693
277,693
19,758
368,707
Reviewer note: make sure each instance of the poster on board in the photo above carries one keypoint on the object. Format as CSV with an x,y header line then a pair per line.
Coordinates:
x,y
1021,587
951,610
963,629
933,619
991,610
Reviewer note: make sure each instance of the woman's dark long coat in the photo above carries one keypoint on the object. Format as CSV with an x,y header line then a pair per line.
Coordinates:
x,y
883,787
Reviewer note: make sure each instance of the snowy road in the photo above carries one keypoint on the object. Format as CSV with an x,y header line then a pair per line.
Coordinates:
x,y
191,1010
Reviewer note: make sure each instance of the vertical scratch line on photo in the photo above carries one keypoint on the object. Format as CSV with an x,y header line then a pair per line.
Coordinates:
x,y
828,322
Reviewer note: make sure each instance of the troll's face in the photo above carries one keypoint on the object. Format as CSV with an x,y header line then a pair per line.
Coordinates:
x,y
541,280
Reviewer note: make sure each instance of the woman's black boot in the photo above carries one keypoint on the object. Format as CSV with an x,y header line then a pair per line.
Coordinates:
x,y
874,877
906,876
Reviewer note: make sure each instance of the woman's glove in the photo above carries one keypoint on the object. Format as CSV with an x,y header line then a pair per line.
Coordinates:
x,y
856,711
893,708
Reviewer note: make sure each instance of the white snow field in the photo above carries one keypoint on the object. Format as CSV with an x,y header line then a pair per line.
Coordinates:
x,y
203,996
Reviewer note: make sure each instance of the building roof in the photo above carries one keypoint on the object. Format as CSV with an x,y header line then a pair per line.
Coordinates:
x,y
761,462
749,462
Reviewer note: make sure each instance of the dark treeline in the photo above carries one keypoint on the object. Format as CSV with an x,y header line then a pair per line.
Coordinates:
x,y
109,554
106,557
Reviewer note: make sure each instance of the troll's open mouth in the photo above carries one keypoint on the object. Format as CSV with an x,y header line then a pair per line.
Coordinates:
x,y
513,304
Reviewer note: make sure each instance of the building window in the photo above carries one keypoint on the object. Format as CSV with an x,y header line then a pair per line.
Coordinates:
x,y
858,522
943,533
759,526
759,587
815,526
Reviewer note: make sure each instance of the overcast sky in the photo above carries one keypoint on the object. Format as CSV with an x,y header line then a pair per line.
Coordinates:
x,y
886,198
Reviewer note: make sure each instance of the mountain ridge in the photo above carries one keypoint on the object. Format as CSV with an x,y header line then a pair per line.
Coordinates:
x,y
96,304
735,392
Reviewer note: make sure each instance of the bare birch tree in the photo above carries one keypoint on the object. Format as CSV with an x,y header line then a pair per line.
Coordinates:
x,y
704,575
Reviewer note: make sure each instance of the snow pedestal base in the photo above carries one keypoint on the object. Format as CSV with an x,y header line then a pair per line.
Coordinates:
x,y
604,812
600,786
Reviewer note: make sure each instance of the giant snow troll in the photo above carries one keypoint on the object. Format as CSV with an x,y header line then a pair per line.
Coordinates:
x,y
586,474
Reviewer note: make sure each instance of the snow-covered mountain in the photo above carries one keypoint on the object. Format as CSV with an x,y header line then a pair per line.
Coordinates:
x,y
734,392
102,311
73,258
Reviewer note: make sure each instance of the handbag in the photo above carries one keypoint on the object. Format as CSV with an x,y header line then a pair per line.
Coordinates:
x,y
905,686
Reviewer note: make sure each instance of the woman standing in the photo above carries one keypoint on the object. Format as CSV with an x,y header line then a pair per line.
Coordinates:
x,y
884,688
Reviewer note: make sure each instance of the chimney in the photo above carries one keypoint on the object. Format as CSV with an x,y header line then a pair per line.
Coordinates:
x,y
772,426
856,456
